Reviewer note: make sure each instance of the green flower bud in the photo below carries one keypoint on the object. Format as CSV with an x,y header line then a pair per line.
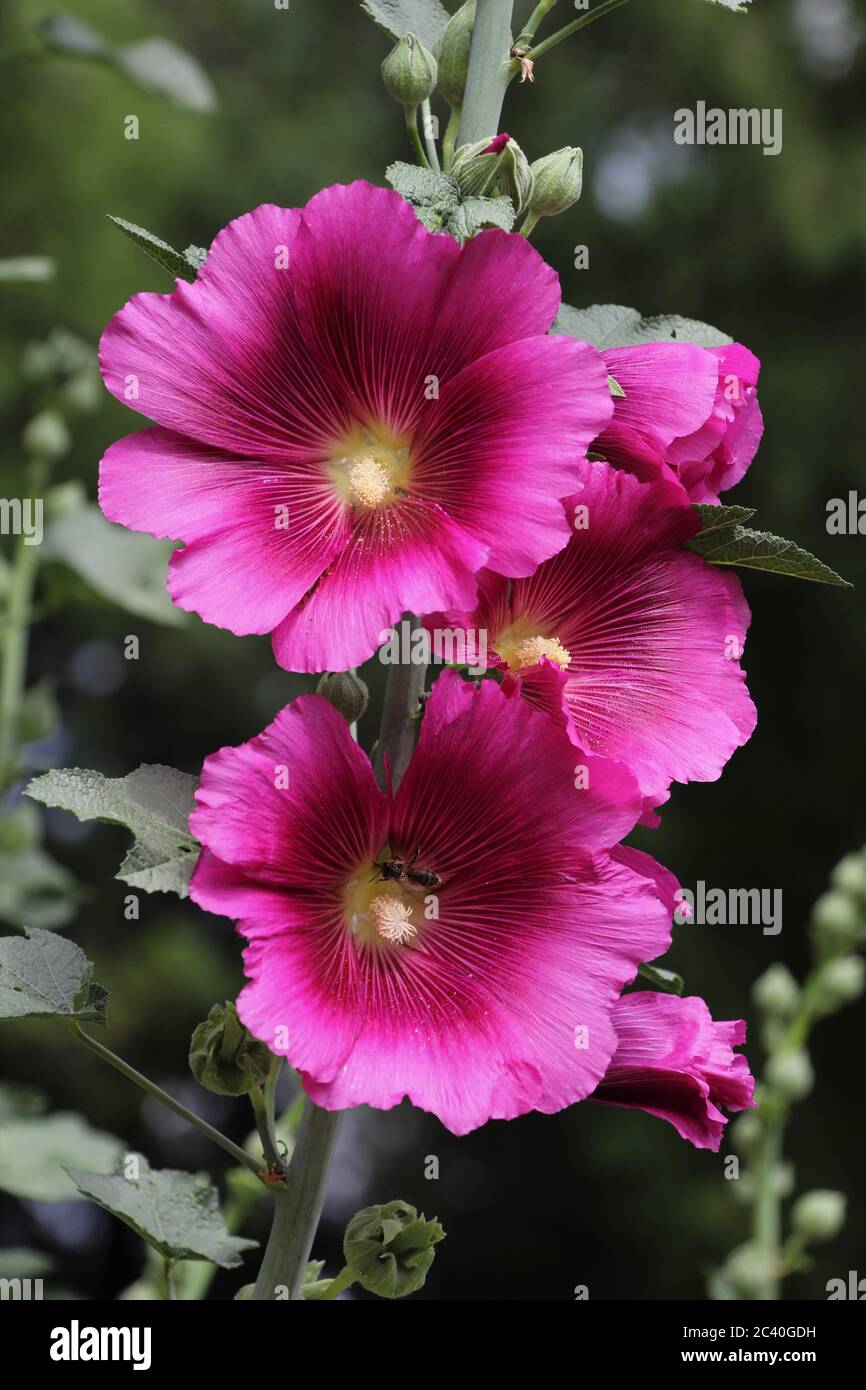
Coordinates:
x,y
776,991
224,1057
409,71
452,52
838,982
558,181
493,168
849,875
346,692
747,1271
819,1215
390,1248
46,436
791,1074
836,921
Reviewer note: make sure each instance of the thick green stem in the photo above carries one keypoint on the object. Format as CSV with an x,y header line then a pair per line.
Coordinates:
x,y
399,729
159,1094
489,70
298,1208
14,639
767,1228
429,137
530,222
569,29
411,113
450,137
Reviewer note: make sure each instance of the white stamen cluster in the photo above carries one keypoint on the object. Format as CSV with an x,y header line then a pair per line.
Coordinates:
x,y
532,649
391,918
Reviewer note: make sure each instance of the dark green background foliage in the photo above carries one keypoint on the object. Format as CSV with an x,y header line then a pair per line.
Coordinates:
x,y
769,249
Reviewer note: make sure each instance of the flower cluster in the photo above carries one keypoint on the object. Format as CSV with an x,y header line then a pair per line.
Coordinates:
x,y
356,418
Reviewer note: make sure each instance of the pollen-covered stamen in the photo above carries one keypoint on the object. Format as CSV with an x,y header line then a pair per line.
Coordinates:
x,y
391,918
532,649
369,481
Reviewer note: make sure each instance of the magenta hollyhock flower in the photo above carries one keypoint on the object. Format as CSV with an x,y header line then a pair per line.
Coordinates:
x,y
689,413
353,416
624,637
484,991
674,1061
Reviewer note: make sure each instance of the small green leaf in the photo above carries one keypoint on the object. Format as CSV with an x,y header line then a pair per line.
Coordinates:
x,y
158,65
423,187
154,802
177,1213
665,980
615,325
426,18
119,566
35,1152
488,212
45,976
615,389
759,550
715,518
180,266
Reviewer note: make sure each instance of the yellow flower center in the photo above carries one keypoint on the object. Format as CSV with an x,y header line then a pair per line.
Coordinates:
x,y
521,644
532,649
392,918
369,467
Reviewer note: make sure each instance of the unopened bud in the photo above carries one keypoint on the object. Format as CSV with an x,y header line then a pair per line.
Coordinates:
x,y
452,52
836,920
776,991
849,875
819,1215
390,1248
494,168
558,181
791,1074
409,71
224,1057
838,982
46,436
346,692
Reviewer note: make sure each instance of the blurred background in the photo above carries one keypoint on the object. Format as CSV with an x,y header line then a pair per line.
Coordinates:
x,y
769,249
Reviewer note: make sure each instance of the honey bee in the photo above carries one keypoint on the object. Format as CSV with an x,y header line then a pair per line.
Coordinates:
x,y
402,871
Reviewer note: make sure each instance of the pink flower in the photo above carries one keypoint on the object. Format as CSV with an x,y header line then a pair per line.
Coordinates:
x,y
690,414
485,994
353,416
624,637
675,1062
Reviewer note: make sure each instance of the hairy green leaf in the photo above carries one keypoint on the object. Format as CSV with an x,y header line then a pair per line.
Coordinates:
x,y
426,18
177,1213
759,550
615,325
154,802
45,976
180,266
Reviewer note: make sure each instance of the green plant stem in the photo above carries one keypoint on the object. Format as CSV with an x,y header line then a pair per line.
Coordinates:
x,y
265,1127
159,1094
450,138
411,113
490,71
170,1286
429,137
527,33
342,1281
14,638
767,1213
399,730
547,44
530,222
297,1209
